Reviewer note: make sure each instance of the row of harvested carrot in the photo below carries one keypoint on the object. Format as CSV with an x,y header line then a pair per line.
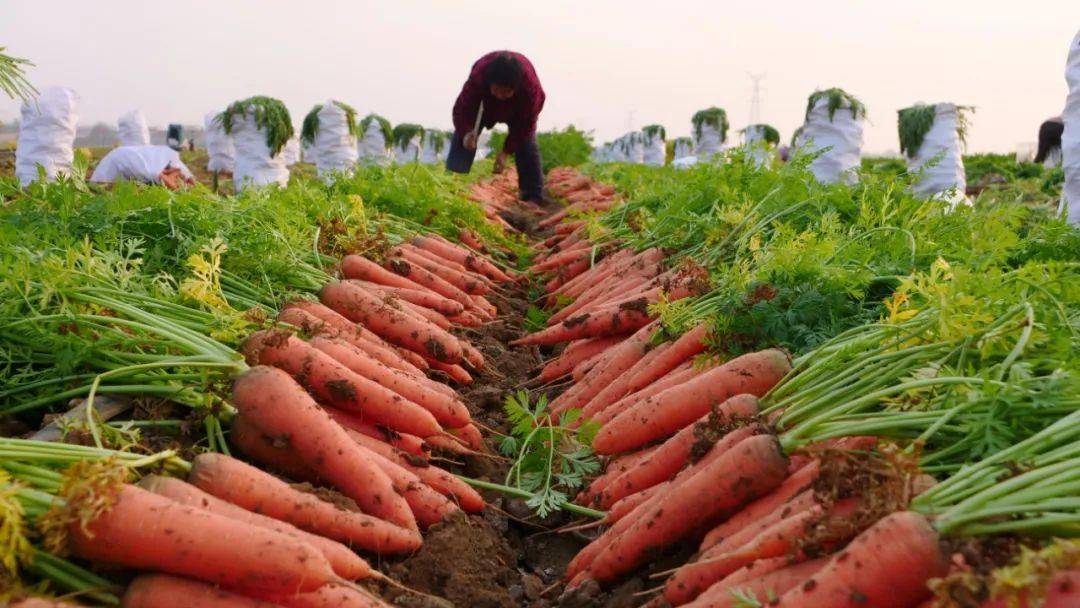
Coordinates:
x,y
347,405
692,460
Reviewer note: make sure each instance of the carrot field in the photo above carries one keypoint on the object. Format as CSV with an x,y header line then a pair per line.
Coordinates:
x,y
723,384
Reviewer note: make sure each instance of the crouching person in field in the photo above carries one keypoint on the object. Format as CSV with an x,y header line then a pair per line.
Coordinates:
x,y
148,164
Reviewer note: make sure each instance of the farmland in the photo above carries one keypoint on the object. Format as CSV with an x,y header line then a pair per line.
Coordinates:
x,y
718,385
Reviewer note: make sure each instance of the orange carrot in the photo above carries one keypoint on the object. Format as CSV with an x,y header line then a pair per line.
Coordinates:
x,y
434,258
618,359
250,441
752,581
447,411
689,344
668,411
887,566
577,352
566,273
581,370
470,435
467,319
775,502
598,294
626,505
331,596
468,259
469,284
438,479
345,563
359,267
674,453
585,557
752,468
419,312
679,375
615,468
248,487
164,591
410,444
629,316
314,325
455,372
337,385
40,602
615,387
281,409
420,297
361,306
149,532
422,276
473,356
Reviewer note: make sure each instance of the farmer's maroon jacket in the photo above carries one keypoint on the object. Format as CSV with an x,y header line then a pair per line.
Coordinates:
x,y
519,112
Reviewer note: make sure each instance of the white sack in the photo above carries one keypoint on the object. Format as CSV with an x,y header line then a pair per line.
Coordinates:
x,y
709,142
219,145
290,154
137,163
1070,139
843,135
335,146
408,152
758,149
634,147
47,134
939,156
654,152
372,148
132,129
434,146
685,162
254,164
683,148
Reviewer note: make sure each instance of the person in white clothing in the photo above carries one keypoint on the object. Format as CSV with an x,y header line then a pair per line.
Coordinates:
x,y
147,164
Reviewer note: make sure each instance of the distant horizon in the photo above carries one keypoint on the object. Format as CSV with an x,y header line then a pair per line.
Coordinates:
x,y
607,67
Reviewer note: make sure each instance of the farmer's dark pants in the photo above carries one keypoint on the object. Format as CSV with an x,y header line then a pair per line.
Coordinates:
x,y
527,160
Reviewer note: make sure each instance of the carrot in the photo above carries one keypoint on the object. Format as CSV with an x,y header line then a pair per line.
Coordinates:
x,y
679,375
470,240
467,319
352,333
481,306
752,468
759,511
451,444
419,297
361,306
40,602
248,487
468,259
674,453
577,352
615,385
629,316
585,557
422,276
149,532
165,591
618,359
413,358
565,273
581,370
752,581
337,385
668,411
775,541
615,467
359,267
470,435
455,372
473,356
597,294
251,442
689,344
447,411
438,479
472,285
428,505
410,444
562,258
282,410
626,505
345,563
887,566
426,314
470,275
331,596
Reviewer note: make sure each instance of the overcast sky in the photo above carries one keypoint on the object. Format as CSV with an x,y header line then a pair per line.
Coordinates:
x,y
608,66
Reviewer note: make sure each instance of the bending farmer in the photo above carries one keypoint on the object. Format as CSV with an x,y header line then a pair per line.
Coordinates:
x,y
147,164
502,87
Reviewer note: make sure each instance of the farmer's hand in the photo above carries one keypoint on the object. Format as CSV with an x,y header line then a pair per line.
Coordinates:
x,y
500,162
469,141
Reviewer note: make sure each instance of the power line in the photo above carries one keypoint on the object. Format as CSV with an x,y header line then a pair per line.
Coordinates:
x,y
755,97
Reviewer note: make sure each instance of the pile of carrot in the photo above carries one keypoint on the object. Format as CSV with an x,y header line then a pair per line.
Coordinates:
x,y
689,458
348,392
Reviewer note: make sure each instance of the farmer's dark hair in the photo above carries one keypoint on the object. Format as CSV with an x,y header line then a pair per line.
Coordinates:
x,y
1050,133
504,70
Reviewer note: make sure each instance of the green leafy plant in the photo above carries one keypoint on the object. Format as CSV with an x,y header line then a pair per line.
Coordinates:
x,y
13,80
769,133
405,132
551,460
916,121
838,98
654,131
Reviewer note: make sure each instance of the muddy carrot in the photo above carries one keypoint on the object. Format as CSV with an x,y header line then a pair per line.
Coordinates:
x,y
279,407
686,346
165,591
667,412
337,326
